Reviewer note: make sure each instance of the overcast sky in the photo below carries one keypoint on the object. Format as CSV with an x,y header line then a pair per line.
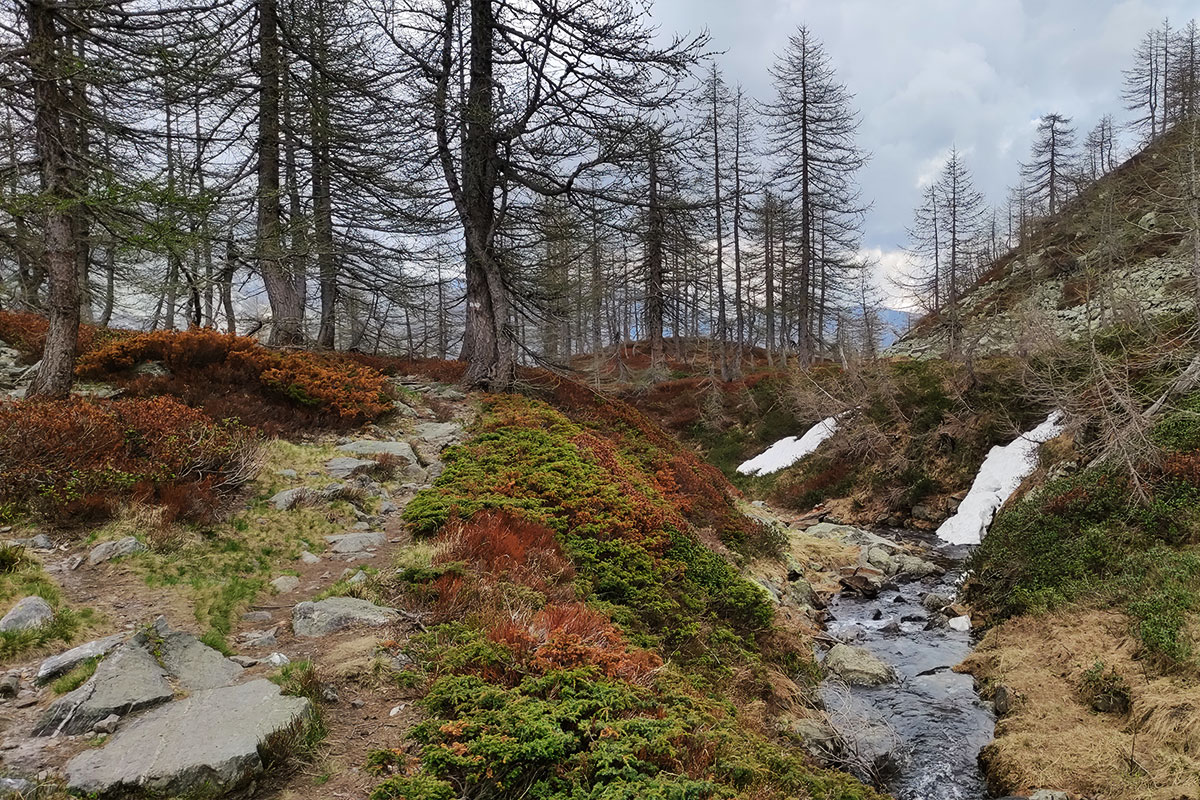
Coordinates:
x,y
930,73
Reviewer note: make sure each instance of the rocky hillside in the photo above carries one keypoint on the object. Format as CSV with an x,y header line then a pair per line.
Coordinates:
x,y
1118,253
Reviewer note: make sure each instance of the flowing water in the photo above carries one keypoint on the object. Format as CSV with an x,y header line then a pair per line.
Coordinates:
x,y
920,736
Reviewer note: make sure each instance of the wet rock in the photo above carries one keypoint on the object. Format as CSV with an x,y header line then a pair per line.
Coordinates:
x,y
106,551
857,666
65,662
285,583
194,664
864,585
128,680
209,740
29,613
934,602
344,466
1003,700
916,567
333,614
355,542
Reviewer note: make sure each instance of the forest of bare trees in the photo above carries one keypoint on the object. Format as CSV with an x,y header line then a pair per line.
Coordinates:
x,y
506,182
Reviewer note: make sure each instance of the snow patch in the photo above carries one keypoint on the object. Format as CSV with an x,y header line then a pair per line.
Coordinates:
x,y
1002,472
788,451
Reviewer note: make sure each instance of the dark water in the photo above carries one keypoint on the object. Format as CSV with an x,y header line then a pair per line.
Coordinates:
x,y
922,734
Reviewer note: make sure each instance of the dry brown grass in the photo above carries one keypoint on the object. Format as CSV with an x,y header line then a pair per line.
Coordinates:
x,y
1052,740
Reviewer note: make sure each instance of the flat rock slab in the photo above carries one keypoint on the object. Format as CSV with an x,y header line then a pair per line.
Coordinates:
x,y
373,447
333,614
65,662
355,542
439,434
106,551
857,666
29,613
208,741
194,664
128,680
290,498
344,466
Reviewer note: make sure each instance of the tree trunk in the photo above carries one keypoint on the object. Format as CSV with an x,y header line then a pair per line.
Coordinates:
x,y
655,302
54,376
286,304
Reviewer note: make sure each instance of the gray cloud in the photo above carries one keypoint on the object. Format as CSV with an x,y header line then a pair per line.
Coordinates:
x,y
931,73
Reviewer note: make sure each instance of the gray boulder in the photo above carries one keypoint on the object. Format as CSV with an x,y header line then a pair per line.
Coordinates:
x,y
916,567
373,447
17,789
857,666
29,613
333,614
285,583
355,542
290,498
439,434
63,663
106,551
850,535
208,741
128,680
934,602
194,664
344,466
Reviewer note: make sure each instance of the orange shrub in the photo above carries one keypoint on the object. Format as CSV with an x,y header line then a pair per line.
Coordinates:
x,y
26,332
69,460
222,372
502,544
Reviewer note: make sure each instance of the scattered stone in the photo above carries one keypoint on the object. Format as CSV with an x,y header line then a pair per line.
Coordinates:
x,y
285,583
961,624
373,447
287,473
107,725
17,789
277,660
356,703
194,664
128,680
63,663
290,498
355,542
39,542
308,558
344,466
333,614
75,563
263,638
209,740
245,662
29,613
357,578
106,551
857,666
258,617
934,602
361,526
439,434
10,684
388,507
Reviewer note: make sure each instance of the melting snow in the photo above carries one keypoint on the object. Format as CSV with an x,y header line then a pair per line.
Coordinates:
x,y
788,451
1002,472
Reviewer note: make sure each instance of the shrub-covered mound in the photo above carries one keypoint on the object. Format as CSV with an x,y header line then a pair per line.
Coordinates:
x,y
235,376
917,432
586,644
1094,536
76,460
26,333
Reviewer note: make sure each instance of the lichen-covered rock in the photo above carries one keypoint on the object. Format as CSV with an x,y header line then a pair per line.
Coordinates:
x,y
207,741
857,666
128,680
333,614
29,613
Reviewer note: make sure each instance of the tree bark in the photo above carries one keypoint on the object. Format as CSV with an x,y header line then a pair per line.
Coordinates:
x,y
59,179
